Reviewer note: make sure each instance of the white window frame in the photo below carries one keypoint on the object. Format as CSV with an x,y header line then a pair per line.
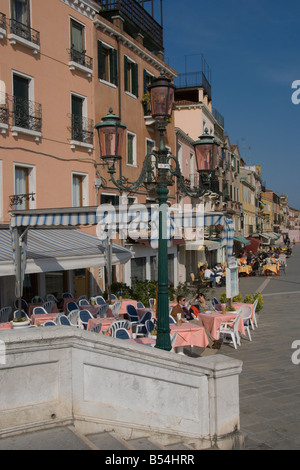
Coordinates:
x,y
85,188
31,181
134,152
20,130
109,83
129,93
76,143
72,64
14,38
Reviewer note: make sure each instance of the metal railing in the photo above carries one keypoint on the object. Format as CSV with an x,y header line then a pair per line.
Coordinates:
x,y
193,79
27,114
24,32
138,15
81,58
2,21
218,116
3,108
82,129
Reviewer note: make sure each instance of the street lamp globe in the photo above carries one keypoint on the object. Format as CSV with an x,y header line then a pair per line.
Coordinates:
x,y
206,149
162,97
110,133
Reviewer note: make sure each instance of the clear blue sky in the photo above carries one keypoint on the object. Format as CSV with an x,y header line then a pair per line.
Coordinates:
x,y
253,50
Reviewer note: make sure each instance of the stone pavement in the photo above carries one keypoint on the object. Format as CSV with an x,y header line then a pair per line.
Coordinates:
x,y
269,382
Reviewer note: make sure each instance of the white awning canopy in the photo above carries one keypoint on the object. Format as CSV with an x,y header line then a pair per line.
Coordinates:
x,y
58,249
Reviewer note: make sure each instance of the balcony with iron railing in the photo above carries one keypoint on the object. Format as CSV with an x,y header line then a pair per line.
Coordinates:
x,y
26,117
2,25
81,61
137,20
193,80
218,117
82,131
23,34
3,110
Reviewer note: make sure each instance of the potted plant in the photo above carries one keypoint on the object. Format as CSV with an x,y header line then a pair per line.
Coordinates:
x,y
250,299
20,322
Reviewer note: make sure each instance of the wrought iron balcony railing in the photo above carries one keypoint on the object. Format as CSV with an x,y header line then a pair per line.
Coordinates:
x,y
27,114
81,58
193,79
2,21
24,32
3,108
218,116
82,129
138,17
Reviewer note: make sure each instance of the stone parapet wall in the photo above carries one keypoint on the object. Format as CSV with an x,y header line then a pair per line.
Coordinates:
x,y
60,375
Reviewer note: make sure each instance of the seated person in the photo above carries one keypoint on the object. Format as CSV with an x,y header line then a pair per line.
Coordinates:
x,y
205,305
210,275
219,274
186,316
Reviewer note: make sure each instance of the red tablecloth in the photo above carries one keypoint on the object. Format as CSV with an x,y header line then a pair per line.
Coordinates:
x,y
90,308
189,334
31,307
106,322
6,326
39,319
212,322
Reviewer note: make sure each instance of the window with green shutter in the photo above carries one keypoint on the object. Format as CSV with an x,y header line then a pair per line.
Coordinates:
x,y
107,63
131,76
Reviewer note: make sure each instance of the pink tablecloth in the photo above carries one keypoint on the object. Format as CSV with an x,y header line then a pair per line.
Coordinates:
x,y
106,322
125,302
32,306
189,334
6,326
90,308
39,319
212,322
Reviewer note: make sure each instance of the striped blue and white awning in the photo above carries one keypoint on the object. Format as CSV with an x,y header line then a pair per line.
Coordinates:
x,y
54,217
58,249
89,216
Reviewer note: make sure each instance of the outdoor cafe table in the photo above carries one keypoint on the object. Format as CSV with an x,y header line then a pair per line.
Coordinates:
x,y
40,318
212,321
31,306
105,322
271,267
6,326
90,308
189,334
245,269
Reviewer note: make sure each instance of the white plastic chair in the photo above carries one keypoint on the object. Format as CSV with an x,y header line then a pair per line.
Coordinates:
x,y
254,321
173,339
116,309
73,317
4,314
230,328
246,316
48,305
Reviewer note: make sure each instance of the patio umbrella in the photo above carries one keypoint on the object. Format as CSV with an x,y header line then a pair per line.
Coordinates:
x,y
19,247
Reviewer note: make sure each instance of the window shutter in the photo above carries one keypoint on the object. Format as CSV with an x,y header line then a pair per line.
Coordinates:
x,y
100,60
125,74
145,82
115,67
135,80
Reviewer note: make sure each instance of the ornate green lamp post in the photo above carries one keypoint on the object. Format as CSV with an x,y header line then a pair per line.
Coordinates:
x,y
110,132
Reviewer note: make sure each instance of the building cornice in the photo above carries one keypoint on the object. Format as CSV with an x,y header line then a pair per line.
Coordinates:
x,y
136,48
84,7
